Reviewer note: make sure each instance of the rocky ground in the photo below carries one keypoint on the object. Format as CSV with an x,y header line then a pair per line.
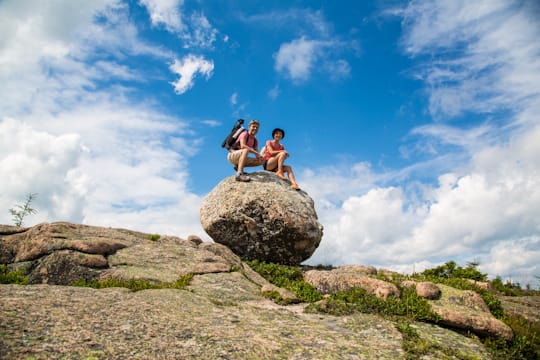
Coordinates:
x,y
221,314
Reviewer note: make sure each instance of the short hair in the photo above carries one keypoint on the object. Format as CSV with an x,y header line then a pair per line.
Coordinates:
x,y
254,122
278,130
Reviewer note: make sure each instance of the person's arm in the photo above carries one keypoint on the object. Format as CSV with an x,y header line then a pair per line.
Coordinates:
x,y
274,152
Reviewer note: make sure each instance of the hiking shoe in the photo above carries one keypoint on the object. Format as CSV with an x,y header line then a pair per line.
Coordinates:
x,y
243,178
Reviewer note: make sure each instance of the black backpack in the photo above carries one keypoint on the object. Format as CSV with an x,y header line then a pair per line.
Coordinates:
x,y
230,140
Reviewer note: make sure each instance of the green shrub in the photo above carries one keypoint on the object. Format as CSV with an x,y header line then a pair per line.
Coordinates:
x,y
526,342
508,288
12,277
288,277
19,212
451,270
154,237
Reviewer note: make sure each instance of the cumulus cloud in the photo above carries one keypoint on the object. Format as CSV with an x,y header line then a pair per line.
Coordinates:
x,y
37,162
297,57
315,49
188,68
473,216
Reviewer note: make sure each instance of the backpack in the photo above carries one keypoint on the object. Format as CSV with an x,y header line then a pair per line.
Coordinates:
x,y
230,140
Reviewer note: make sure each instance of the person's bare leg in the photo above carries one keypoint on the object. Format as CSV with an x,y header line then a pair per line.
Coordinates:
x,y
281,159
242,161
292,179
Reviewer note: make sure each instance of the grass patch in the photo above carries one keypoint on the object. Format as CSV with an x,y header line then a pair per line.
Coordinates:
x,y
413,345
288,277
154,237
409,305
524,346
12,277
275,297
135,284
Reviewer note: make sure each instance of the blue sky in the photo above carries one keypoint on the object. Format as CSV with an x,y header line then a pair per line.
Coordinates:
x,y
413,125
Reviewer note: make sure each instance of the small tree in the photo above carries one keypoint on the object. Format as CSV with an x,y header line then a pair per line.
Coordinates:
x,y
19,212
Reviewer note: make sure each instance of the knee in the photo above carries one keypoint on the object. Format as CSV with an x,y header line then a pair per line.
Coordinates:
x,y
245,152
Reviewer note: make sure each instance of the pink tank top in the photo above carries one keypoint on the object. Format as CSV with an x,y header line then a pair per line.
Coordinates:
x,y
269,146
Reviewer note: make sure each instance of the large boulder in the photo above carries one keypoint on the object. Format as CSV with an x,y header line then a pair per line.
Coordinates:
x,y
264,219
466,310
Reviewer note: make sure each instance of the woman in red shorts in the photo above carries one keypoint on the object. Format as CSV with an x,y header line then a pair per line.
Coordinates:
x,y
275,155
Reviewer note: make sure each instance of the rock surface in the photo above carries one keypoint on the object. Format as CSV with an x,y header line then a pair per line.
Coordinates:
x,y
346,277
221,314
263,219
466,310
425,289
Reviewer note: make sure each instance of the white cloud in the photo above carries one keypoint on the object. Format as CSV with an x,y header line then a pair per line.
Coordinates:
x,y
274,92
300,57
294,20
234,98
211,123
165,12
37,162
188,68
315,48
194,30
201,34
297,58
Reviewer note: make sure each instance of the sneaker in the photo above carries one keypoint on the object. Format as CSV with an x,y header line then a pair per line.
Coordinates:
x,y
243,178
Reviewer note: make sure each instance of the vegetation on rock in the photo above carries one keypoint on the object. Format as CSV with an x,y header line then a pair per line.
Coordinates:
x,y
12,277
154,237
288,277
410,307
135,284
19,212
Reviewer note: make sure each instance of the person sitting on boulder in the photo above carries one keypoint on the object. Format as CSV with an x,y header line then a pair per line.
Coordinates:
x,y
275,155
238,155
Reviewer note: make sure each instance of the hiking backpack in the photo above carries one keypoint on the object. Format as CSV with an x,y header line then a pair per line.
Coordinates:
x,y
231,139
